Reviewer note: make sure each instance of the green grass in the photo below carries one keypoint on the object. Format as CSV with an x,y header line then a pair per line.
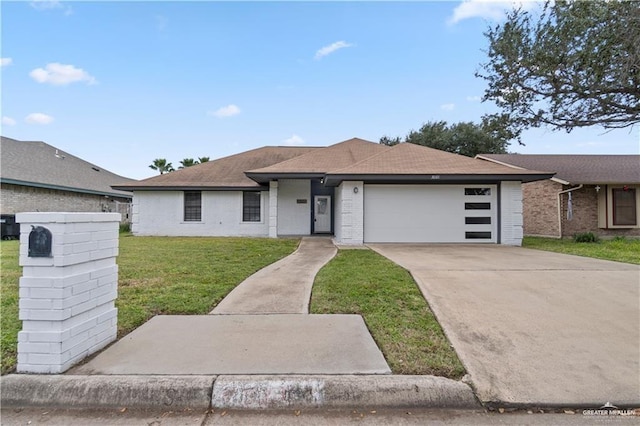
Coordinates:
x,y
621,250
397,315
10,274
157,275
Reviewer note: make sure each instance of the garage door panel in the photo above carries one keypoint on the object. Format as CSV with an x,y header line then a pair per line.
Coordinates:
x,y
428,213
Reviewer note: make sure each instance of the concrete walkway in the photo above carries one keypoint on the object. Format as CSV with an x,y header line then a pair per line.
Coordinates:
x,y
534,327
264,331
283,287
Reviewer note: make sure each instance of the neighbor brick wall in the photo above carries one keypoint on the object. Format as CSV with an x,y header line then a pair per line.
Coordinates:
x,y
18,198
540,211
540,208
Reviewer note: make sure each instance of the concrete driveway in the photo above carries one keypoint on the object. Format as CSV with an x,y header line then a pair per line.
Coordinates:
x,y
534,327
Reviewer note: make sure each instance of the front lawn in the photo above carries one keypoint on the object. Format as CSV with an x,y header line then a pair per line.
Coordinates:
x,y
157,275
397,315
621,250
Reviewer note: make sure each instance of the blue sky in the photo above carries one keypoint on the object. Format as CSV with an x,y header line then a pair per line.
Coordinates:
x,y
120,84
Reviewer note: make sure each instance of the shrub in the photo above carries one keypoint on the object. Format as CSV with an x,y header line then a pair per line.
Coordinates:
x,y
585,237
125,227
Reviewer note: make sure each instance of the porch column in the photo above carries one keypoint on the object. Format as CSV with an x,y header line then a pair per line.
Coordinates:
x,y
273,209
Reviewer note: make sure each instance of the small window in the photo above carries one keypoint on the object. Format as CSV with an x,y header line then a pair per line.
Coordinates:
x,y
477,206
624,207
477,220
477,235
192,206
251,206
477,191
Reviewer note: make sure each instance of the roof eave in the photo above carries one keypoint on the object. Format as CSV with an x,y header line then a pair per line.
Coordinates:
x,y
193,188
64,188
336,179
267,177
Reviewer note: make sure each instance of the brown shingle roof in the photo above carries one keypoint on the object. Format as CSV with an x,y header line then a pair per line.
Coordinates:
x,y
411,159
576,169
227,172
320,161
42,165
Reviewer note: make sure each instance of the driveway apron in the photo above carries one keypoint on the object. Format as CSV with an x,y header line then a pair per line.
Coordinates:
x,y
534,327
283,287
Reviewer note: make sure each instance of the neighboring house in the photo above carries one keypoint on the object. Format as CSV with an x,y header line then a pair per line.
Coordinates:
x,y
35,176
358,191
589,193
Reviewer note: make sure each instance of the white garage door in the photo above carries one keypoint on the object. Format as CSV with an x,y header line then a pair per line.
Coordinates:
x,y
430,213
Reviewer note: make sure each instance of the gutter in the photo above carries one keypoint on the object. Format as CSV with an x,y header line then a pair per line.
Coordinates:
x,y
560,207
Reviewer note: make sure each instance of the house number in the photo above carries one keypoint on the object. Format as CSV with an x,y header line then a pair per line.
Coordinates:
x,y
435,176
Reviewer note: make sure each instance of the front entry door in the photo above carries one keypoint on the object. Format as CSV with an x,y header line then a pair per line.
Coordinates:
x,y
322,214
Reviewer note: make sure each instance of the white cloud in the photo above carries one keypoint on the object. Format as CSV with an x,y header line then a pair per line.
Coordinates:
x,y
61,74
42,5
294,140
326,50
474,98
447,107
38,118
226,111
8,121
6,61
494,10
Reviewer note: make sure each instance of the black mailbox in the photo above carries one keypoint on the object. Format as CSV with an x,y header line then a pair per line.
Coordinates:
x,y
39,242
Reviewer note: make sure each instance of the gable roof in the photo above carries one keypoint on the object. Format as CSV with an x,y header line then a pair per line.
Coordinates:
x,y
353,159
406,162
318,162
223,173
41,165
577,169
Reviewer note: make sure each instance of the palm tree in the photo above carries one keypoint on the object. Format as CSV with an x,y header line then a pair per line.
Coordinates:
x,y
188,162
161,165
203,159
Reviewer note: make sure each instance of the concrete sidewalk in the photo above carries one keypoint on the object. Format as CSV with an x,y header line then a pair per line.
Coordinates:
x,y
283,287
243,344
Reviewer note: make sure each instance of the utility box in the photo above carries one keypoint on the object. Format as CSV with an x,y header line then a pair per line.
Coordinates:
x,y
9,229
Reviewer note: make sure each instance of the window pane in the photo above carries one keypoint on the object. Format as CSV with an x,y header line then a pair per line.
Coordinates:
x,y
477,191
624,207
251,206
477,221
192,206
477,235
477,206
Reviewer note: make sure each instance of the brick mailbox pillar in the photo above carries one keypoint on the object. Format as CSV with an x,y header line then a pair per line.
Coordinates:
x,y
68,287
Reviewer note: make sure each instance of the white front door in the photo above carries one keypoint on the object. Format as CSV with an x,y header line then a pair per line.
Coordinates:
x,y
322,214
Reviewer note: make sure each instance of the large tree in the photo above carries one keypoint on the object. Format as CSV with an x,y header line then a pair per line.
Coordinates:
x,y
161,165
465,138
571,64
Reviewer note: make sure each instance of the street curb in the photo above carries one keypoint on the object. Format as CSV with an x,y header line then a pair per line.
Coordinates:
x,y
304,392
235,392
23,390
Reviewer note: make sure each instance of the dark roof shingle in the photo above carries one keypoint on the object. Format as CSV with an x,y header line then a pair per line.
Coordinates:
x,y
577,169
40,164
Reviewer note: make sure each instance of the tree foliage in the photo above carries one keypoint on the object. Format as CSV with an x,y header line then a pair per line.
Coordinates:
x,y
187,162
161,165
465,138
573,64
203,159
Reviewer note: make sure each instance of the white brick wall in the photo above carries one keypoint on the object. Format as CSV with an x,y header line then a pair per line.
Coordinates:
x,y
511,213
67,301
349,213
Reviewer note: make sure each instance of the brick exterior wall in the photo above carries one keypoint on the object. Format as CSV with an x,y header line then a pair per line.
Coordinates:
x,y
540,208
17,198
541,211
